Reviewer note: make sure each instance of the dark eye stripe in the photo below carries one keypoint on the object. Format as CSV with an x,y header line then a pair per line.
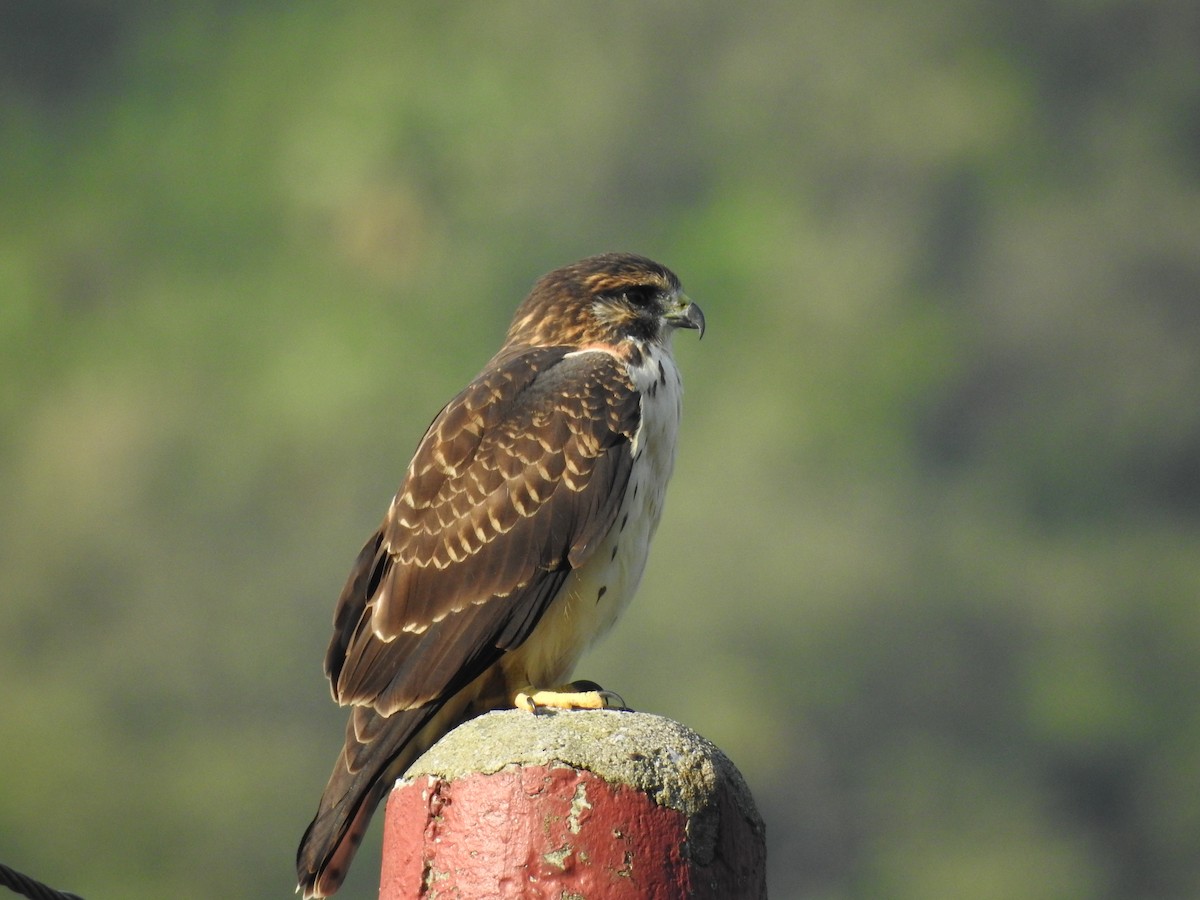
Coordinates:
x,y
641,295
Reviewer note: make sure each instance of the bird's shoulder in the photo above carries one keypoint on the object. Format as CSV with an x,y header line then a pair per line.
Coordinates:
x,y
527,403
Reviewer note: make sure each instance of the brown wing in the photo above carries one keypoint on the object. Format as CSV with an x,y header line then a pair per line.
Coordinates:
x,y
513,485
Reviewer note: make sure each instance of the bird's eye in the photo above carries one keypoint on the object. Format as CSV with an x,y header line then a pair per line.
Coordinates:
x,y
640,296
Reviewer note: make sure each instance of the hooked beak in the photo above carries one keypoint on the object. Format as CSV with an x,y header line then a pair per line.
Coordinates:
x,y
688,315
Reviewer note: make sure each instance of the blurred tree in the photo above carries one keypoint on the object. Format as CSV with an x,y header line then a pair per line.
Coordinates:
x,y
929,568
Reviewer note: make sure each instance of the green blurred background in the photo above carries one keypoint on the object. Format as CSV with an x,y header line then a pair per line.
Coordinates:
x,y
930,565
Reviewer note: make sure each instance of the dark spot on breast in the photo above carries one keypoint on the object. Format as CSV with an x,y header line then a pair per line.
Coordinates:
x,y
662,373
603,590
653,389
636,485
614,553
624,521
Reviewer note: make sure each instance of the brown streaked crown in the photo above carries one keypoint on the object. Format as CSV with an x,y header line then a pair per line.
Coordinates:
x,y
599,300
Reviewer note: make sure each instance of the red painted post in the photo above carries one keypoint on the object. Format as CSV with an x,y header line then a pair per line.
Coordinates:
x,y
602,805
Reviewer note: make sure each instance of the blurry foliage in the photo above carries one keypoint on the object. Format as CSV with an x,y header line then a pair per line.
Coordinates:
x,y
930,567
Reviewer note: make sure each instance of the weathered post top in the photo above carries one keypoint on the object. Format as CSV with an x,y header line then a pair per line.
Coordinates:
x,y
603,805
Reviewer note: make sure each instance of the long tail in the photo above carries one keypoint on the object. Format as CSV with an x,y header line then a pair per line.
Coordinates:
x,y
377,752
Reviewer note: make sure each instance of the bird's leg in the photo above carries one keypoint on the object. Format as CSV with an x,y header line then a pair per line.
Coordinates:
x,y
576,695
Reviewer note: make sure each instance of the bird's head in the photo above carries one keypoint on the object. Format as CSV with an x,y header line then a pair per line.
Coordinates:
x,y
614,300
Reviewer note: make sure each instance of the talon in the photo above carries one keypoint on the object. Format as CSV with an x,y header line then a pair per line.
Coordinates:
x,y
608,699
613,700
576,695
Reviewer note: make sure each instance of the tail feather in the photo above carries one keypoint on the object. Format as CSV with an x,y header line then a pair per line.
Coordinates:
x,y
364,772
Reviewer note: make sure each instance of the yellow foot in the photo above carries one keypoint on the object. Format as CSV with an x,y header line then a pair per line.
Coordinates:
x,y
576,695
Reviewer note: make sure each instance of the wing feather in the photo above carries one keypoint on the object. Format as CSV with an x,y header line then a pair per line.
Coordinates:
x,y
514,483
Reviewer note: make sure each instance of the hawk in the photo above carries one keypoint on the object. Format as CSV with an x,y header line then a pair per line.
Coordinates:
x,y
516,539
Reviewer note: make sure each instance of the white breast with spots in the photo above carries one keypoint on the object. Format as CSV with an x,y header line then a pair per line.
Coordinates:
x,y
595,594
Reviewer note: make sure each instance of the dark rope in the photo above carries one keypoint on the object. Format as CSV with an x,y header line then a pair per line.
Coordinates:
x,y
27,887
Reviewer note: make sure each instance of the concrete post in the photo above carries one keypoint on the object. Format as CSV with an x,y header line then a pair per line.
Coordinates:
x,y
602,805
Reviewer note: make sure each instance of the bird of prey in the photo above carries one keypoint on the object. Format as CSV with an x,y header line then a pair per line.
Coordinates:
x,y
517,537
